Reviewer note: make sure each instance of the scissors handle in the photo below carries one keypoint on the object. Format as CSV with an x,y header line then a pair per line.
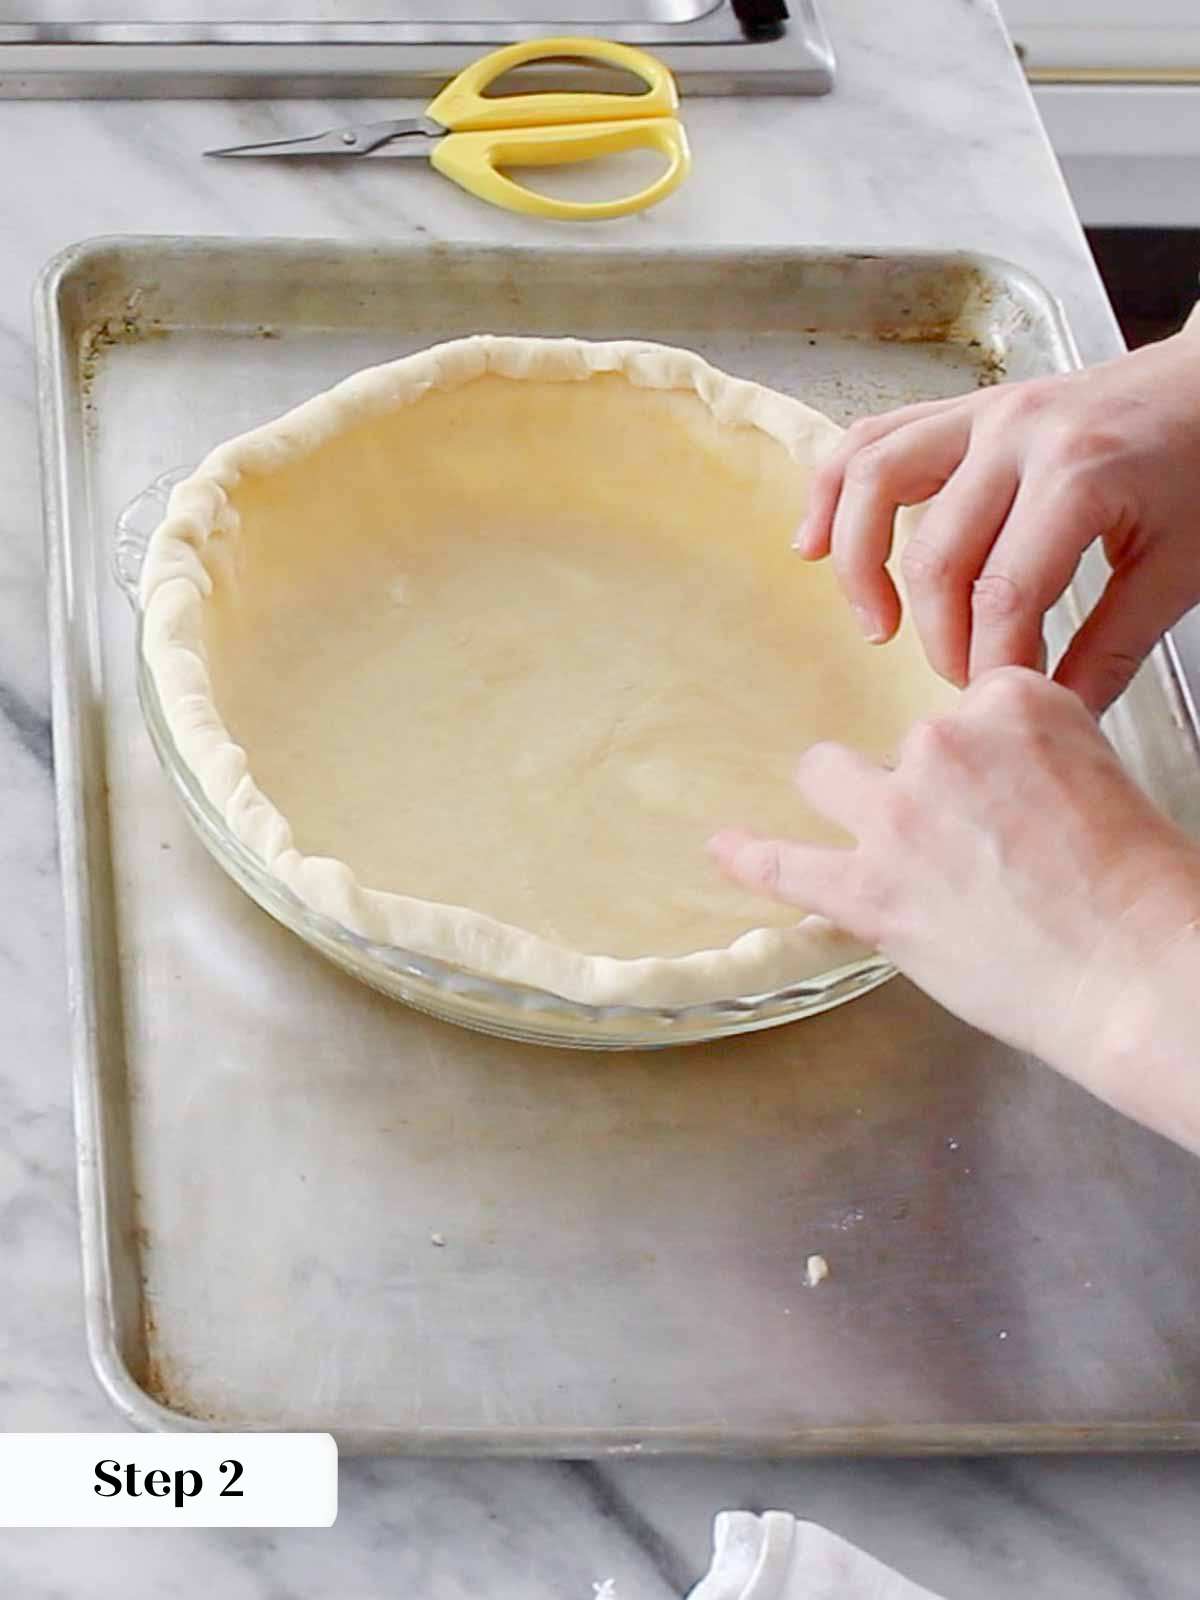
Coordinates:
x,y
464,107
471,160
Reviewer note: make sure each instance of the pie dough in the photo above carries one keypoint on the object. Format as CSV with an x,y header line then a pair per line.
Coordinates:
x,y
476,650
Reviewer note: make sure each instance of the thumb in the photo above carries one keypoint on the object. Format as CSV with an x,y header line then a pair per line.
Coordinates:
x,y
1140,602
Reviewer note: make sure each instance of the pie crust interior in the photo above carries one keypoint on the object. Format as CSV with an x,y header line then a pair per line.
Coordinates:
x,y
477,649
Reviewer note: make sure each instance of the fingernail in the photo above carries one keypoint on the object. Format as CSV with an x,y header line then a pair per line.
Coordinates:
x,y
869,624
725,842
800,537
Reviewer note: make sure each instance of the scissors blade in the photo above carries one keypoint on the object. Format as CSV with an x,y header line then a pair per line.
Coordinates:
x,y
411,136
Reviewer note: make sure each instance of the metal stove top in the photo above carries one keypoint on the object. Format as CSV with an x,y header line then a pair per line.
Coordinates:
x,y
165,48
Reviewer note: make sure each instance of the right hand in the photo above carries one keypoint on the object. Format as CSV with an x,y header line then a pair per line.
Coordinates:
x,y
1008,865
1020,480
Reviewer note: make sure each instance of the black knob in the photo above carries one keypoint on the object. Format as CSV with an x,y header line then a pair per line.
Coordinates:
x,y
761,18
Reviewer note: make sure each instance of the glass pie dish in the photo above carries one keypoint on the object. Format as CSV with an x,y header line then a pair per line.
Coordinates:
x,y
452,993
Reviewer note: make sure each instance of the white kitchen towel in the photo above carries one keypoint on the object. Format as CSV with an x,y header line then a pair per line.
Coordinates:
x,y
774,1557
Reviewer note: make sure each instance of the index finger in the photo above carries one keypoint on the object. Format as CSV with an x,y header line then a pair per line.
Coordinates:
x,y
841,784
902,469
815,533
811,877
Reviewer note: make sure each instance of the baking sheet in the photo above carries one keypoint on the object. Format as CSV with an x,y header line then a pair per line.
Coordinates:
x,y
304,1206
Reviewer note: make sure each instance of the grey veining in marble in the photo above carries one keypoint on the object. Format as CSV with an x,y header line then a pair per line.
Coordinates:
x,y
929,140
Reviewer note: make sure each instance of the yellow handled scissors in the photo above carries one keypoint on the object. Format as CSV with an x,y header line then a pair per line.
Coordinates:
x,y
468,135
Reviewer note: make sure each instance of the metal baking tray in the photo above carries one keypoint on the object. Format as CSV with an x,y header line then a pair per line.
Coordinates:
x,y
305,1206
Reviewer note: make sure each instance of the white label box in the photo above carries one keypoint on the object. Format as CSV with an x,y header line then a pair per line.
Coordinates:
x,y
168,1480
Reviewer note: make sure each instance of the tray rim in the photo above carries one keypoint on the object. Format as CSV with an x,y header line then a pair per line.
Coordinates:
x,y
131,1399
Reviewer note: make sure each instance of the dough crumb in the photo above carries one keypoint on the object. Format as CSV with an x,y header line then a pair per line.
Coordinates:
x,y
438,1239
816,1270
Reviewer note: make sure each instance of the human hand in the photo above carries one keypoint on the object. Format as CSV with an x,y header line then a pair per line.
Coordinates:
x,y
1021,479
1011,868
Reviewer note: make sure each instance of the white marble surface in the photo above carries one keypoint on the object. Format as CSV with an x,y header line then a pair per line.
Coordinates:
x,y
930,140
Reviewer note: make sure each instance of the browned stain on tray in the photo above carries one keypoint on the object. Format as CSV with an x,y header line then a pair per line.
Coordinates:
x,y
130,325
156,1374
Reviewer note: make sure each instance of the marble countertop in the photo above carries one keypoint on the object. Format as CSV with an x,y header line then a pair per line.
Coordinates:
x,y
931,139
